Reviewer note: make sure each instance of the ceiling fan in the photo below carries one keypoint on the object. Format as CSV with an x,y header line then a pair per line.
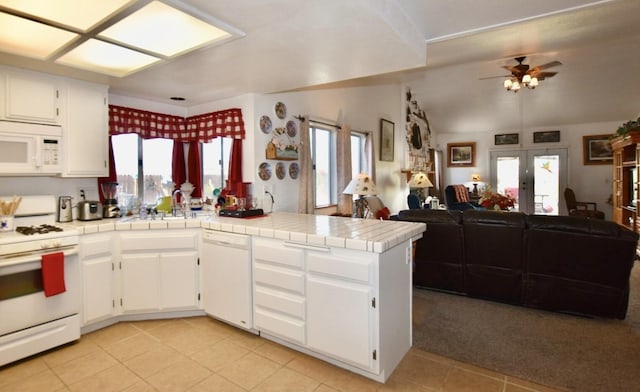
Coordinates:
x,y
522,75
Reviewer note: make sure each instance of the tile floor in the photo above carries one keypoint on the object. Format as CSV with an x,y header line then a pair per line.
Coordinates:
x,y
202,354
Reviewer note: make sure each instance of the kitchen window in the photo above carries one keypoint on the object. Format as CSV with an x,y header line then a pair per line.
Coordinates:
x,y
145,164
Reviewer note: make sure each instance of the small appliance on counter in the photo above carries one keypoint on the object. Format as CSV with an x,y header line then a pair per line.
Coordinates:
x,y
110,209
64,209
89,210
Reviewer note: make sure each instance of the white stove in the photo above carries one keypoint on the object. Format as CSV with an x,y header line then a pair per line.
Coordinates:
x,y
35,228
31,320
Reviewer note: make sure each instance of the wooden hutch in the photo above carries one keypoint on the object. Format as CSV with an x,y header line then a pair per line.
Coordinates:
x,y
626,164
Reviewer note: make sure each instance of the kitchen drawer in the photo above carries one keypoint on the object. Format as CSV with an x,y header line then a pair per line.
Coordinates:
x,y
346,268
279,325
282,278
157,241
273,251
279,302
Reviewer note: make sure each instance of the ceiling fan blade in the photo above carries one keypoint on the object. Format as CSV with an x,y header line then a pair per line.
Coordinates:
x,y
547,65
543,75
494,77
511,69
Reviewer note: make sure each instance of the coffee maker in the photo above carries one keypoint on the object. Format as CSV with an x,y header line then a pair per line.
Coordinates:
x,y
110,207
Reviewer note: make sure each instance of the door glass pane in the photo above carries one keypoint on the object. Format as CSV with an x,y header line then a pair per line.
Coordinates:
x,y
508,169
546,184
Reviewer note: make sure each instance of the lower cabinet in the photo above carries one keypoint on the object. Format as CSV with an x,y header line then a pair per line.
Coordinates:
x,y
159,270
98,277
327,300
341,308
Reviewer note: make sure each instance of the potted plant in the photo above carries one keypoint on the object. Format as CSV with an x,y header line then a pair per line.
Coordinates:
x,y
629,126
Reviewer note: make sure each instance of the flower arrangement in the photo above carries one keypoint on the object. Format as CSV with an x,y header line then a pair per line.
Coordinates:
x,y
495,201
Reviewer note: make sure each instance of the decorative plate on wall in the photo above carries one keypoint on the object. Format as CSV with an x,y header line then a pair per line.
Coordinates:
x,y
292,128
281,110
264,171
280,170
294,170
265,124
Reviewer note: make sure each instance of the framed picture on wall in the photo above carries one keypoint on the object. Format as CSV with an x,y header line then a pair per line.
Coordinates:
x,y
546,136
596,150
461,154
506,138
386,140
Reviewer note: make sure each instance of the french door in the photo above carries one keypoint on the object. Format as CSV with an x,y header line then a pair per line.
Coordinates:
x,y
535,178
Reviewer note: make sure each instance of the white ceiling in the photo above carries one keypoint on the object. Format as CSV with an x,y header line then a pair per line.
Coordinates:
x,y
442,47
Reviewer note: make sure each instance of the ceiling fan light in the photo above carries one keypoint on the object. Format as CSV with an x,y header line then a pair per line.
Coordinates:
x,y
507,84
526,79
515,86
534,82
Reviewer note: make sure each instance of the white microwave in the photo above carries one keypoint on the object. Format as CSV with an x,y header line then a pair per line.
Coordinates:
x,y
30,149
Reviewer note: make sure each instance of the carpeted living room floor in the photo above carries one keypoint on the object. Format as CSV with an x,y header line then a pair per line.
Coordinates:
x,y
573,352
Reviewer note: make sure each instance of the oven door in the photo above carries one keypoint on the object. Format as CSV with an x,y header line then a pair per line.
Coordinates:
x,y
22,300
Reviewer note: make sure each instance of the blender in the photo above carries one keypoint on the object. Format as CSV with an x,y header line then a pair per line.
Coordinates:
x,y
110,208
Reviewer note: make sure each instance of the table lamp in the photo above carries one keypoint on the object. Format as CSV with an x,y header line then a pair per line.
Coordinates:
x,y
363,186
419,181
475,178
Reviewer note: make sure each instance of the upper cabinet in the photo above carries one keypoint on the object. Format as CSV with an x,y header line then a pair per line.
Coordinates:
x,y
85,132
81,108
31,97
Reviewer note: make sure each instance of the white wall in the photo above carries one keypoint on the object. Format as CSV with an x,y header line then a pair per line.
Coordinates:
x,y
590,182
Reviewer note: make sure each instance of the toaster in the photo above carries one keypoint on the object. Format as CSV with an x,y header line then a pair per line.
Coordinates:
x,y
89,210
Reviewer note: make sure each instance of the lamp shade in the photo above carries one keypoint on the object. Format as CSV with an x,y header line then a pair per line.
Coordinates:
x,y
419,180
361,185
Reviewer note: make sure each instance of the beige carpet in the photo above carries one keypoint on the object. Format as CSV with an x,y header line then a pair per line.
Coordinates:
x,y
581,354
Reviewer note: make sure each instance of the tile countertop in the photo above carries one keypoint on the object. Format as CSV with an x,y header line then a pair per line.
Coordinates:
x,y
360,234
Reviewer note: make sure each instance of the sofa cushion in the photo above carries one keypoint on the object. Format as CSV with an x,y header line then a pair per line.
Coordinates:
x,y
431,216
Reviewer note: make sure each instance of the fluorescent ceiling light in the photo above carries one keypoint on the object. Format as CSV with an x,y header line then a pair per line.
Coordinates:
x,y
79,14
31,39
162,29
115,37
98,56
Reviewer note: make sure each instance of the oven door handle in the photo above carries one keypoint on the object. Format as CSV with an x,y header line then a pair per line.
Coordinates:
x,y
24,257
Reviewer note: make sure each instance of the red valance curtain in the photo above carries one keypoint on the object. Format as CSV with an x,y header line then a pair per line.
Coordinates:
x,y
201,128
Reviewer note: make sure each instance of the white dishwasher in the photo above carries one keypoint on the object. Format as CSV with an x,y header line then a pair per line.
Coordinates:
x,y
226,277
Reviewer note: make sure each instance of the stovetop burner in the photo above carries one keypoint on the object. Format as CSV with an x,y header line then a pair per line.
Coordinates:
x,y
42,229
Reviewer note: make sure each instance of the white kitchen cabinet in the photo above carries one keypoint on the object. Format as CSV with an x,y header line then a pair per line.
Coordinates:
x,y
279,290
341,308
99,277
86,134
159,270
226,277
30,96
348,305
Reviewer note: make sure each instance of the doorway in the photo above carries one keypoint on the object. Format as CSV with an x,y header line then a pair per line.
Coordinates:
x,y
535,178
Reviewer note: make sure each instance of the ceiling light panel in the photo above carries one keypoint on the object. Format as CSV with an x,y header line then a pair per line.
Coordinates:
x,y
78,14
161,29
31,39
95,55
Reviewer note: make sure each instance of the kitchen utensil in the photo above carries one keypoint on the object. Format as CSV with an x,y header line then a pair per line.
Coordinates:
x,y
110,192
64,209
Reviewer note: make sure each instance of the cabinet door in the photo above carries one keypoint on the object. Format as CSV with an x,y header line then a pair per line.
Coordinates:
x,y
86,135
31,98
140,282
339,320
98,287
178,280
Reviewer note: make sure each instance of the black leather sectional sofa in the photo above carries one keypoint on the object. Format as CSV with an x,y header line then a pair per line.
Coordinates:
x,y
559,263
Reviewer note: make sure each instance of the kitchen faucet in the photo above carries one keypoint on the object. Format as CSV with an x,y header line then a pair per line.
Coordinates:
x,y
174,202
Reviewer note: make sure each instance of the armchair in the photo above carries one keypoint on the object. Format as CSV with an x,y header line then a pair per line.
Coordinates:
x,y
581,208
457,198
